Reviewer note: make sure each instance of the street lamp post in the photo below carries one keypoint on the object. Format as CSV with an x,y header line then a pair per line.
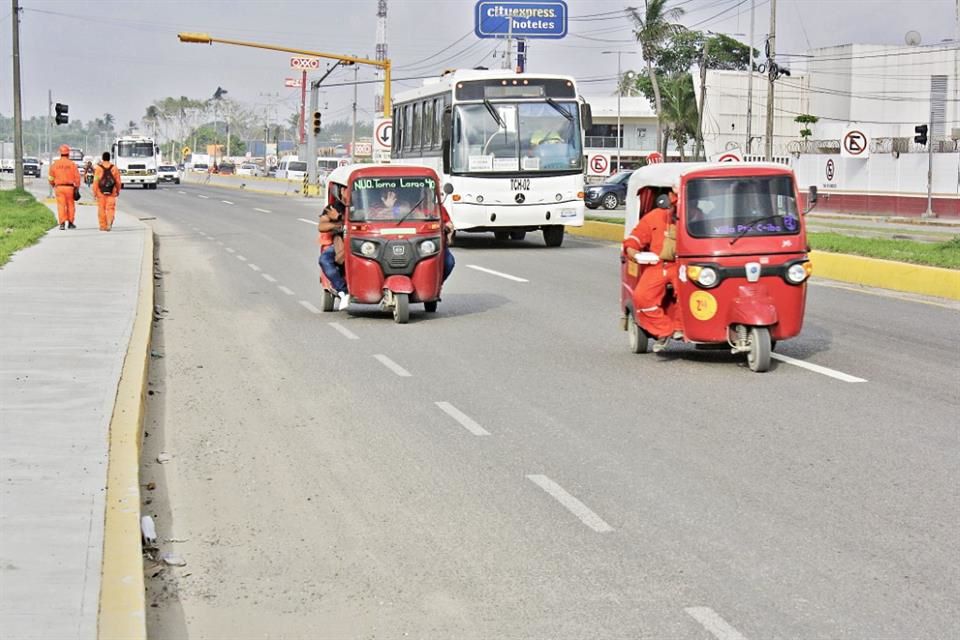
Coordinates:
x,y
619,91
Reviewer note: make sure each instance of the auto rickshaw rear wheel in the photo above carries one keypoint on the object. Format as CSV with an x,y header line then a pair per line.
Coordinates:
x,y
758,357
431,306
326,301
639,340
401,308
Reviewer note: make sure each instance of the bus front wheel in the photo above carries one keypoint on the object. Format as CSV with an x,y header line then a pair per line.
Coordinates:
x,y
553,235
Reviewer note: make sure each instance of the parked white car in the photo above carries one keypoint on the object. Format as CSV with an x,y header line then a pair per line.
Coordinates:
x,y
291,169
248,169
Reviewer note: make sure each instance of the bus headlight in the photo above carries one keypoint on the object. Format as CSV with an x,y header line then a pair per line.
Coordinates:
x,y
368,249
428,248
798,272
151,172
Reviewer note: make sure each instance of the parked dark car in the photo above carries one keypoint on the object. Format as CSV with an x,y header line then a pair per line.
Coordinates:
x,y
227,169
610,194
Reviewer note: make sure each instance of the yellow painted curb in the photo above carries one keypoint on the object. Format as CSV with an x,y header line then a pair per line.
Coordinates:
x,y
872,272
887,274
122,612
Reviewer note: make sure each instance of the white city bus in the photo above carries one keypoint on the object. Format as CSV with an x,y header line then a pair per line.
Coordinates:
x,y
137,158
510,145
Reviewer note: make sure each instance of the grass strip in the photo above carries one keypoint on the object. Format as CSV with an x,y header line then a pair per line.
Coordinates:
x,y
22,221
933,254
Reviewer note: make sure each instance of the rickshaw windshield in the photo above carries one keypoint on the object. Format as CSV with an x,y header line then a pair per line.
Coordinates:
x,y
734,207
394,199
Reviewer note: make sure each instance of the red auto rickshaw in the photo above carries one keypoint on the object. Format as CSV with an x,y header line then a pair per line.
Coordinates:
x,y
741,255
393,236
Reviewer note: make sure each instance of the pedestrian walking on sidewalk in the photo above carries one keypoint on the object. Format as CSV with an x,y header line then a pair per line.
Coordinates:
x,y
106,188
65,178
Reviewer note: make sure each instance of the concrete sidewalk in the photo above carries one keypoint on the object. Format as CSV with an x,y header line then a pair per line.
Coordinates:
x,y
68,309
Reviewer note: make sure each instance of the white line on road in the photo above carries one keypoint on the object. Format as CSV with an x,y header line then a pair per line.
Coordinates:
x,y
497,273
200,195
309,307
307,221
573,505
226,202
839,375
261,210
268,277
253,266
350,335
393,366
712,622
465,421
229,250
240,258
289,292
220,242
183,192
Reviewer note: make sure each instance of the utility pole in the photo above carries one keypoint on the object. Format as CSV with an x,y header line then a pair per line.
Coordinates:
x,y
619,91
703,93
508,57
771,77
17,113
353,130
750,82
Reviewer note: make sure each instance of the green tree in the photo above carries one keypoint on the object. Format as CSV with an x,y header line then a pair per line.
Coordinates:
x,y
679,110
805,119
652,28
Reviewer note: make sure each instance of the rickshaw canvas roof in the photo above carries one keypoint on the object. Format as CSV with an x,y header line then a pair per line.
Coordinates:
x,y
342,175
667,174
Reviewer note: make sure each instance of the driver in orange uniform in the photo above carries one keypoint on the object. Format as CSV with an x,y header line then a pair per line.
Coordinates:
x,y
650,235
64,178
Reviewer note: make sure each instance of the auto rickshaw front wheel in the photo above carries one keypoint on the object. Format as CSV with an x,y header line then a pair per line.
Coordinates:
x,y
758,356
639,340
401,308
326,301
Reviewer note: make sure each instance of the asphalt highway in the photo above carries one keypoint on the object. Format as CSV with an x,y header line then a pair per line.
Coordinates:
x,y
505,468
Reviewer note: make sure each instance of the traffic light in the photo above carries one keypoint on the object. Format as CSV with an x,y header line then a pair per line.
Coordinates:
x,y
921,131
62,110
316,123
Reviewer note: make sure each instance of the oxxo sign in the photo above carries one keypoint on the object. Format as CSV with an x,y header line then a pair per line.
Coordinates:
x,y
531,19
300,62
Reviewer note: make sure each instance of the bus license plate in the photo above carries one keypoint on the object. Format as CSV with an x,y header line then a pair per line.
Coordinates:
x,y
520,184
568,213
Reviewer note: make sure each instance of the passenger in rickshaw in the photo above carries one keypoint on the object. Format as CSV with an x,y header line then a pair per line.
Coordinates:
x,y
330,227
648,244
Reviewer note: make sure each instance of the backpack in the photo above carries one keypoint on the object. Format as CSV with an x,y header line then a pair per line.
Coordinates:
x,y
107,183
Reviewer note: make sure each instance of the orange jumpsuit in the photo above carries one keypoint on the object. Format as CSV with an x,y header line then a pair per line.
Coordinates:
x,y
64,176
106,202
648,294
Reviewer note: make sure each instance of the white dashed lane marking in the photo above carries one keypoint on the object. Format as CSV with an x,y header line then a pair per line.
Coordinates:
x,y
200,195
350,335
229,250
573,505
261,210
287,291
307,221
309,307
465,421
712,622
809,366
393,366
253,266
226,202
268,277
497,273
241,258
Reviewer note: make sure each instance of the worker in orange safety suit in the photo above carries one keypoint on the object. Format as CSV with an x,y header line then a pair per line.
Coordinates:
x,y
106,202
650,235
65,177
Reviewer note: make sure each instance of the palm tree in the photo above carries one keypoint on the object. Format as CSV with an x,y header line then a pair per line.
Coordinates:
x,y
680,110
108,121
652,28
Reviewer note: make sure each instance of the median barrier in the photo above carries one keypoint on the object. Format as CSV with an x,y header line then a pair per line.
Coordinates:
x,y
271,186
871,272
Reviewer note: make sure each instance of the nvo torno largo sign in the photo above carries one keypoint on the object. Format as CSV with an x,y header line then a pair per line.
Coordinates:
x,y
547,19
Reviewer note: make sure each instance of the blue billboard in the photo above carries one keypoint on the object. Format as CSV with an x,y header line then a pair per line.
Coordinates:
x,y
531,19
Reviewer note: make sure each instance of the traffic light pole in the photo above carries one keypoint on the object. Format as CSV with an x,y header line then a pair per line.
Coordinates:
x,y
312,136
929,213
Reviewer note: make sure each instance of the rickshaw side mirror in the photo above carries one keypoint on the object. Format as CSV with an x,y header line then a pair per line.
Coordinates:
x,y
448,188
811,198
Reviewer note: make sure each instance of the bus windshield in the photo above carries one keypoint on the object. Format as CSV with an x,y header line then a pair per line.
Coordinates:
x,y
524,137
394,198
76,155
135,150
731,207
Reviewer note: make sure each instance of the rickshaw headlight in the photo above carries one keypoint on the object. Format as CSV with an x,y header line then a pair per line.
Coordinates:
x,y
428,247
368,249
705,276
797,273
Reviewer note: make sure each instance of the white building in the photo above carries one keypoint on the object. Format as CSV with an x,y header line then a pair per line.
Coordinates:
x,y
638,128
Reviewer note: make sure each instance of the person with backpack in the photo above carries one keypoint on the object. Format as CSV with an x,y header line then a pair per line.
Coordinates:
x,y
106,188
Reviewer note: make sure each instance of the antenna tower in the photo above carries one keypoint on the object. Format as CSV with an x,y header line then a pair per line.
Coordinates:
x,y
381,53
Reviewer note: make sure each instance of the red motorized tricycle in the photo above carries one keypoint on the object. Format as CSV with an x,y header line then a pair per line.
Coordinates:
x,y
393,237
741,265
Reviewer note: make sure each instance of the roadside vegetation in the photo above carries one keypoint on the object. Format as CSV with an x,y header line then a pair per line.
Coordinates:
x,y
933,254
22,221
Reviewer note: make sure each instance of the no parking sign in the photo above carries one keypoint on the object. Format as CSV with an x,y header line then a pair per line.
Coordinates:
x,y
598,164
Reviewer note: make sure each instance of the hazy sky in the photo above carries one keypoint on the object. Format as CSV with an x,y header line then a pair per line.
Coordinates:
x,y
119,55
